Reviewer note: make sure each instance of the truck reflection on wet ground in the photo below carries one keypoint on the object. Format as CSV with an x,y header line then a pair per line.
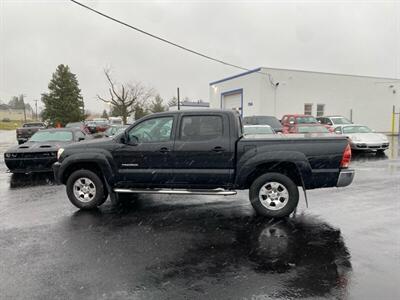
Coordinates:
x,y
300,256
30,180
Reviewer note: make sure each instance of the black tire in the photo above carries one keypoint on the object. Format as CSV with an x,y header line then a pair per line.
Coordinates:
x,y
99,196
272,209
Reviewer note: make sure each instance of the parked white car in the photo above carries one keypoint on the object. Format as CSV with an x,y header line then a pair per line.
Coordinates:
x,y
334,120
363,138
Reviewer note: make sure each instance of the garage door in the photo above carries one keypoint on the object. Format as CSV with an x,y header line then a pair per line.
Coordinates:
x,y
232,101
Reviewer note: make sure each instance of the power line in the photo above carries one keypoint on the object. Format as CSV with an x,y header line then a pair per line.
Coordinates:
x,y
163,39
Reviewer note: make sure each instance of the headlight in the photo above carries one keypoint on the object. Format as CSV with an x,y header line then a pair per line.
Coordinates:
x,y
7,155
355,139
59,152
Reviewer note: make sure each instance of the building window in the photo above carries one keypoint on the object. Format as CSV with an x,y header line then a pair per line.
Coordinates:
x,y
308,109
320,110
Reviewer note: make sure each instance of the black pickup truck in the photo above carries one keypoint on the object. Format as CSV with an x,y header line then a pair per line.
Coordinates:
x,y
27,130
202,152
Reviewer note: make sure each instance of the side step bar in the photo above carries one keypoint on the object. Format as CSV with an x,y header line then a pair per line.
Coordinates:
x,y
220,192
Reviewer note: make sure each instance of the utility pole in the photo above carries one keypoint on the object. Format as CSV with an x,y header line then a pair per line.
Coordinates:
x,y
23,102
36,101
179,102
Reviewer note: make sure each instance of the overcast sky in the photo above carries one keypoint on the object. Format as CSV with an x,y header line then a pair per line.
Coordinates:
x,y
36,36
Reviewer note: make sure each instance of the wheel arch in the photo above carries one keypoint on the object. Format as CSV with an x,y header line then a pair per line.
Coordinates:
x,y
294,165
286,168
96,163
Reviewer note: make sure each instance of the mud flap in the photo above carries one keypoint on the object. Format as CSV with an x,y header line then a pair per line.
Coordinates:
x,y
304,190
113,195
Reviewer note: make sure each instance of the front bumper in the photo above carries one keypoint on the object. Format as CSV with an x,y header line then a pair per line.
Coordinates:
x,y
369,146
345,178
29,165
56,170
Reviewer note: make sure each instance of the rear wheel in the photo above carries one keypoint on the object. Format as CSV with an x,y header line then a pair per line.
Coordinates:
x,y
274,195
85,189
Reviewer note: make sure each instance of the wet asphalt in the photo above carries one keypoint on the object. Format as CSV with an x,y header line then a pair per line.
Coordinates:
x,y
345,245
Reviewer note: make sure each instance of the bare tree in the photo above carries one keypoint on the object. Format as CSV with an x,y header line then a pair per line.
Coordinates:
x,y
127,98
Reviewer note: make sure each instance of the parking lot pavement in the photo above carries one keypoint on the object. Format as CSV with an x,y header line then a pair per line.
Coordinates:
x,y
345,245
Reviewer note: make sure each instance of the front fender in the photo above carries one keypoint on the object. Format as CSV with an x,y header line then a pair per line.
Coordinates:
x,y
248,163
100,159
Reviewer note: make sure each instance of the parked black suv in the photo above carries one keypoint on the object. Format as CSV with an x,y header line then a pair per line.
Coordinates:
x,y
264,120
202,152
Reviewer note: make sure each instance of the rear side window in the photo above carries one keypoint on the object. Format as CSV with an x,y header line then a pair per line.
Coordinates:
x,y
201,128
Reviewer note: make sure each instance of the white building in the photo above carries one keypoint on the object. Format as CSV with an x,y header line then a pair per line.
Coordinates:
x,y
269,91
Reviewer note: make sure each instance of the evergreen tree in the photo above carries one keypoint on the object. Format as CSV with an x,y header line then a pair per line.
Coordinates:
x,y
173,102
63,103
104,114
157,105
140,111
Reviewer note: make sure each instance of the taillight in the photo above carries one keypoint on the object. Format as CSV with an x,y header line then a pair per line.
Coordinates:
x,y
346,157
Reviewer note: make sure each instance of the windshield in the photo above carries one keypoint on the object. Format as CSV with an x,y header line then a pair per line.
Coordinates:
x,y
340,120
51,136
33,125
120,130
312,129
258,130
266,120
356,129
306,120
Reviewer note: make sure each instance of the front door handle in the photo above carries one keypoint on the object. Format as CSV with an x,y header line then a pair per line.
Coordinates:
x,y
164,150
218,149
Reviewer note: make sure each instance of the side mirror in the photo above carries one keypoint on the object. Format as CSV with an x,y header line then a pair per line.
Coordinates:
x,y
133,140
129,140
124,138
81,139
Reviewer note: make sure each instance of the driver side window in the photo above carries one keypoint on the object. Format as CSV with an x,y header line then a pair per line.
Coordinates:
x,y
338,130
152,130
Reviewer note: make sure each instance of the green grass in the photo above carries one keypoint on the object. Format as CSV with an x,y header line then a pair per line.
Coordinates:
x,y
12,125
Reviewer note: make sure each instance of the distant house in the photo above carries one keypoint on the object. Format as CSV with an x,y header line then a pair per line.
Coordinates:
x,y
7,112
186,105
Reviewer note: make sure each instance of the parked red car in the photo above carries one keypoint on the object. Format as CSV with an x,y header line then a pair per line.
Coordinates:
x,y
288,121
96,126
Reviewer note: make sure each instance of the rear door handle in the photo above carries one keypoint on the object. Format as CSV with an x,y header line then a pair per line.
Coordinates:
x,y
218,149
164,150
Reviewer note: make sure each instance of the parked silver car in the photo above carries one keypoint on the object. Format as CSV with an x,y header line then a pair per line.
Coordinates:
x,y
363,138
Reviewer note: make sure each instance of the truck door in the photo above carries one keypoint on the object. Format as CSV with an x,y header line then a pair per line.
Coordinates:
x,y
204,154
145,159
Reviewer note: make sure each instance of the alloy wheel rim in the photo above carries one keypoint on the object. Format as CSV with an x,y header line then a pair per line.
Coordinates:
x,y
273,195
84,189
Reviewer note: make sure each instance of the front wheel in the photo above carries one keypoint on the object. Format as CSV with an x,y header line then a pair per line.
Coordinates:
x,y
85,189
274,195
